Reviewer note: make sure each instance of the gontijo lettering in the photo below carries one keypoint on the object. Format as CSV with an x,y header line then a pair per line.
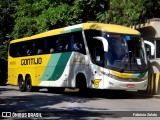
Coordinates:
x,y
31,61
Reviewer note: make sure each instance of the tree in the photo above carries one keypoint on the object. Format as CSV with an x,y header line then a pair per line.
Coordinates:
x,y
130,12
152,9
88,10
35,16
7,9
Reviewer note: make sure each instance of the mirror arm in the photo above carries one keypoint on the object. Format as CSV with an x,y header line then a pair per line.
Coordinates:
x,y
104,41
151,45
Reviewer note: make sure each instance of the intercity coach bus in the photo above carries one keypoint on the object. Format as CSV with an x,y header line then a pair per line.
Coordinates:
x,y
87,55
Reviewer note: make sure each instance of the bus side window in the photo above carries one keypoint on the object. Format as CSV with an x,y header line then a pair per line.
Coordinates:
x,y
40,51
17,50
63,43
13,50
40,46
23,49
45,46
29,48
77,42
52,50
50,45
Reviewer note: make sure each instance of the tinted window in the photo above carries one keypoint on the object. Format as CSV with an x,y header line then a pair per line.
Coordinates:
x,y
49,45
77,43
13,50
63,43
95,47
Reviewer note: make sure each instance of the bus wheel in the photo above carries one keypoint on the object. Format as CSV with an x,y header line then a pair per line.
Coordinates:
x,y
29,87
81,84
21,84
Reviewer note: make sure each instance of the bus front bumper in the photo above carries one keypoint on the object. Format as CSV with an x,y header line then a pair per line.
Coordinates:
x,y
110,83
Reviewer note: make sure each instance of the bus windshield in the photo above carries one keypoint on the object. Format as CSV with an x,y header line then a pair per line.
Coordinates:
x,y
125,53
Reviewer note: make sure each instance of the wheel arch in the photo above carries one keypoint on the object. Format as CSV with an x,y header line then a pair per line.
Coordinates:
x,y
80,78
19,76
27,75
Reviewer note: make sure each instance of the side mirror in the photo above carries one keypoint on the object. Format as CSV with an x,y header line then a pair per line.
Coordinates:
x,y
151,45
104,41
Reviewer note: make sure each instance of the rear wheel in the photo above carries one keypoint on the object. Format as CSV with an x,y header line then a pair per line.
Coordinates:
x,y
21,84
29,87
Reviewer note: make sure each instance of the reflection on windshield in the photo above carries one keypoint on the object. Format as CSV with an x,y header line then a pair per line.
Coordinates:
x,y
116,51
125,52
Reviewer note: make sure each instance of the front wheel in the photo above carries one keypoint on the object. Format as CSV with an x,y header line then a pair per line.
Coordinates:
x,y
21,85
81,84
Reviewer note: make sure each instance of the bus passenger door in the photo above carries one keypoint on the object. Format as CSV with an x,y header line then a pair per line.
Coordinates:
x,y
97,66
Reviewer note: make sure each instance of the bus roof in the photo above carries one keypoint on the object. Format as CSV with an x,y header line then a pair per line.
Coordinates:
x,y
112,28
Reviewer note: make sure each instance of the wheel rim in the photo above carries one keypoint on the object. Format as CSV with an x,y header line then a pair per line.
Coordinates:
x,y
21,83
28,85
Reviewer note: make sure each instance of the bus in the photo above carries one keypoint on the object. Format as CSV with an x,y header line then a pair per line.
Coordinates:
x,y
87,55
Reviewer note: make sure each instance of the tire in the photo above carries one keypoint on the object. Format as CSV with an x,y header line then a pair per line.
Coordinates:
x,y
29,87
21,85
81,84
83,90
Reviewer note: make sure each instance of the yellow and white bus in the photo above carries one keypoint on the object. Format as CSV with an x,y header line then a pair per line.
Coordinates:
x,y
87,55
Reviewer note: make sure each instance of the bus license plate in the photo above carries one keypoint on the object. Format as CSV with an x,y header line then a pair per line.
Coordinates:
x,y
130,85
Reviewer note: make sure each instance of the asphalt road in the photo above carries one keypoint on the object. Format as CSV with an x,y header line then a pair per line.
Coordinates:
x,y
97,105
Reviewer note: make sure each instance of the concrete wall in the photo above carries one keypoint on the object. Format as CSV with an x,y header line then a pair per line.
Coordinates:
x,y
151,31
154,77
156,25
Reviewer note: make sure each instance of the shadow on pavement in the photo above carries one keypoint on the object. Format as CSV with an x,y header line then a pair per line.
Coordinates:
x,y
111,94
46,103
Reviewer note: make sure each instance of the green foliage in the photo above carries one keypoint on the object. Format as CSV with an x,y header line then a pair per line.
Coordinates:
x,y
7,9
88,10
125,12
54,17
40,15
130,12
152,8
21,18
